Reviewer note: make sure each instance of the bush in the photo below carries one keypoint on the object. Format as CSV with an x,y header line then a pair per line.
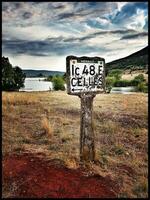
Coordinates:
x,y
109,83
116,73
113,81
140,82
140,78
58,83
142,87
122,83
134,82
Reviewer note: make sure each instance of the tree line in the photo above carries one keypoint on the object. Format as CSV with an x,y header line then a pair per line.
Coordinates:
x,y
12,77
113,79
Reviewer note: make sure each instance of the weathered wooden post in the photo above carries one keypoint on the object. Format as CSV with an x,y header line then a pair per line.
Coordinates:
x,y
87,143
85,78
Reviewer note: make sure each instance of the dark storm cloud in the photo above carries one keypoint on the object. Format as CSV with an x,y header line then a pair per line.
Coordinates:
x,y
9,7
66,15
134,36
87,9
93,35
26,47
48,47
27,15
55,45
55,6
114,32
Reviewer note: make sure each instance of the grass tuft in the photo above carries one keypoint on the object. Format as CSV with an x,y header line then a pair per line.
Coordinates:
x,y
47,127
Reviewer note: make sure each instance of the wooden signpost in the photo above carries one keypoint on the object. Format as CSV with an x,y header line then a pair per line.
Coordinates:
x,y
86,78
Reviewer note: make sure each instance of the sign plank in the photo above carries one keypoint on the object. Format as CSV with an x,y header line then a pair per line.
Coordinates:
x,y
85,75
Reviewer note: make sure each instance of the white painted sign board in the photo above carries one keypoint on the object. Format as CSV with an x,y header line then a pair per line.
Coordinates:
x,y
85,75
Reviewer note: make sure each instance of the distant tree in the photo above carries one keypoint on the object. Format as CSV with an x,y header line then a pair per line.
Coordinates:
x,y
142,87
109,83
140,78
64,77
58,83
40,75
7,74
106,71
116,73
19,77
50,77
12,78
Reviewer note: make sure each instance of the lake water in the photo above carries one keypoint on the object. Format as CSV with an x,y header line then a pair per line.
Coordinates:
x,y
123,90
37,84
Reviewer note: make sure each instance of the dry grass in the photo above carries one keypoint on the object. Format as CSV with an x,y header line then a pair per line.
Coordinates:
x,y
49,123
71,163
14,98
48,129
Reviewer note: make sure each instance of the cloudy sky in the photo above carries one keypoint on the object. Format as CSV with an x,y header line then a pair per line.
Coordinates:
x,y
39,35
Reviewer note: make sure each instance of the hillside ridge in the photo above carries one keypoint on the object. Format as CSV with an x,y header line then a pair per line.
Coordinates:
x,y
137,60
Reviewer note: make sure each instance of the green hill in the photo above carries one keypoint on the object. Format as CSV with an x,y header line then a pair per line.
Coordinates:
x,y
135,61
38,73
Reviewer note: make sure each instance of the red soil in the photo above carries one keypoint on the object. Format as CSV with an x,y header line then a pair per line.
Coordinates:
x,y
36,177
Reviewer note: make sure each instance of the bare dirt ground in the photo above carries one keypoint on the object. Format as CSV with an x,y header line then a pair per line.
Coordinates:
x,y
28,175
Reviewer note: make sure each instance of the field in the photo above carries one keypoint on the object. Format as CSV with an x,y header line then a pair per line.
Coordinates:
x,y
47,125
